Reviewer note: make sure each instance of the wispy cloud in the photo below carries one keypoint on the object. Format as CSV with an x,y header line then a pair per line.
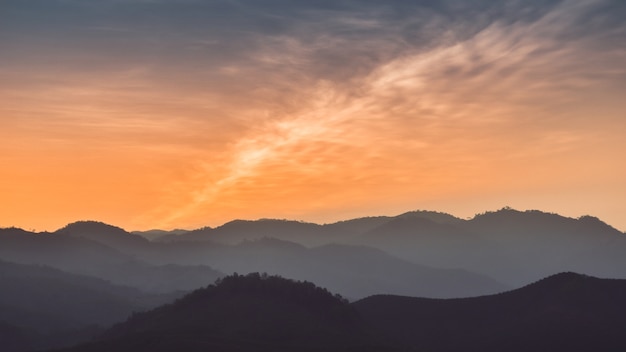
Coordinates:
x,y
301,106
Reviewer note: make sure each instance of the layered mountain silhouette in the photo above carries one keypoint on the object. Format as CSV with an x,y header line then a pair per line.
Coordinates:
x,y
245,313
564,312
513,247
65,286
104,251
156,234
108,235
41,306
355,271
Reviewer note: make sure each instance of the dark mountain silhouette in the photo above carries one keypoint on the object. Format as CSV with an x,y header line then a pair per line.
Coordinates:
x,y
513,247
344,231
53,308
108,235
157,235
434,216
564,312
236,231
305,233
245,313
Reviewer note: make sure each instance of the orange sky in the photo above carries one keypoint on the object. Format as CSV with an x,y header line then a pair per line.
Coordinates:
x,y
326,119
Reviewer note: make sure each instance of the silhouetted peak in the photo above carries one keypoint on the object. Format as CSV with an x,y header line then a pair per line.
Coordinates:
x,y
274,286
560,283
14,231
157,233
434,216
593,223
508,217
100,232
264,224
567,276
254,305
91,226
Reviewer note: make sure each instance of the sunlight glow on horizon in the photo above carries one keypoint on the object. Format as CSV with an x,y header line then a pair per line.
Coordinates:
x,y
346,120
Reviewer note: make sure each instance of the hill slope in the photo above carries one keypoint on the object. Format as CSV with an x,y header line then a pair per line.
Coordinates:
x,y
44,307
564,312
245,313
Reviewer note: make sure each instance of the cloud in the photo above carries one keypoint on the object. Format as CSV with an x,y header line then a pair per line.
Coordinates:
x,y
440,98
331,102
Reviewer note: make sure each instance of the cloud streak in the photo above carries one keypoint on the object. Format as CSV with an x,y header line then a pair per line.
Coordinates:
x,y
334,108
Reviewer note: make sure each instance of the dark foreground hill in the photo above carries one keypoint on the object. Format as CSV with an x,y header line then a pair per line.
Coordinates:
x,y
564,312
245,313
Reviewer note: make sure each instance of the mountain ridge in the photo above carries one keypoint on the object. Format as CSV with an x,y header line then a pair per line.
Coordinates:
x,y
256,312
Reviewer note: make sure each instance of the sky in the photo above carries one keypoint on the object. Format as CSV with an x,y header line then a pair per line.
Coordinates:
x,y
189,113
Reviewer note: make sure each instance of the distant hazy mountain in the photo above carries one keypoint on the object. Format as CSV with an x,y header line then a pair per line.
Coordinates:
x,y
56,308
245,313
510,246
353,271
305,233
565,312
156,235
236,231
108,235
76,253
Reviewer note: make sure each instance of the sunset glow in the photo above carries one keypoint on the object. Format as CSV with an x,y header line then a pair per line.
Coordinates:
x,y
182,114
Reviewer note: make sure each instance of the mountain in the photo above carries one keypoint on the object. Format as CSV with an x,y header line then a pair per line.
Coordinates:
x,y
158,235
245,313
308,234
49,307
108,235
514,247
236,231
353,271
534,244
564,312
420,239
74,253
14,338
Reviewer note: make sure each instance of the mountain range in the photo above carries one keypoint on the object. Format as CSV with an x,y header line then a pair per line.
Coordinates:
x,y
62,287
514,247
564,312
